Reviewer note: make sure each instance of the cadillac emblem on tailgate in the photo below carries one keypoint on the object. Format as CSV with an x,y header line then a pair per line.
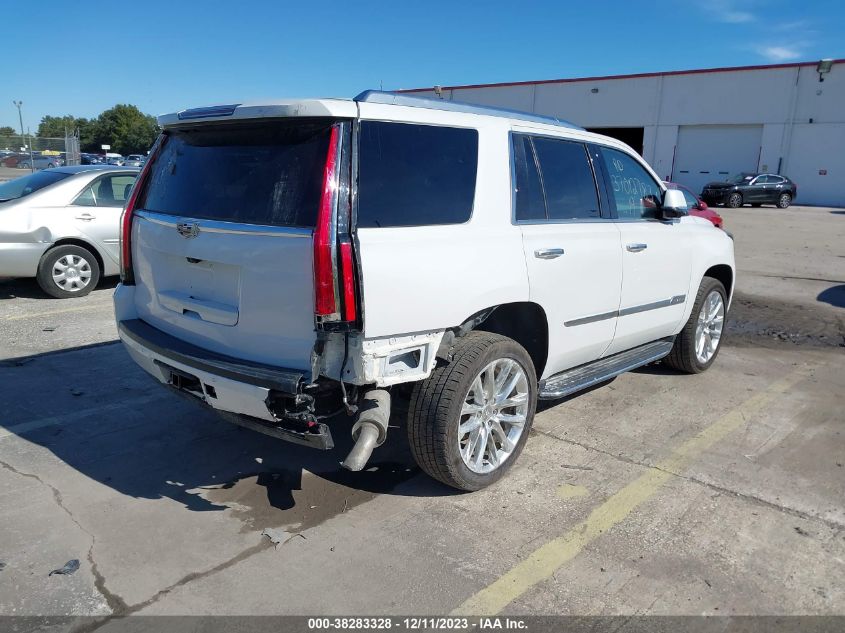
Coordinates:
x,y
188,229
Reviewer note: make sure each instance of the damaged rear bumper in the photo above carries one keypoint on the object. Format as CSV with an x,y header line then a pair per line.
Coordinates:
x,y
264,398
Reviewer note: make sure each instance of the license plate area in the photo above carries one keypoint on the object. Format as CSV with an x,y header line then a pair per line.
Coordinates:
x,y
185,382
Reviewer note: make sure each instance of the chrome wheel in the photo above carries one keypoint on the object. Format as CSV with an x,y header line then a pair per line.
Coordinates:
x,y
71,273
784,201
735,201
493,415
708,332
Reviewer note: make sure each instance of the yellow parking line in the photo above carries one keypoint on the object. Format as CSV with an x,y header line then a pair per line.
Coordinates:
x,y
548,558
37,315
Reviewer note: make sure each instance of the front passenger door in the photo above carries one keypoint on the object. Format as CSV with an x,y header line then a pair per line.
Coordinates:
x,y
656,262
755,191
97,211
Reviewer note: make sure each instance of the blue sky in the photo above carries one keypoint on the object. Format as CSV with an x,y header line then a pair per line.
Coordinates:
x,y
163,56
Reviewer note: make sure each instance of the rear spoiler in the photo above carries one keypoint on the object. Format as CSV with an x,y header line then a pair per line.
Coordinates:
x,y
314,108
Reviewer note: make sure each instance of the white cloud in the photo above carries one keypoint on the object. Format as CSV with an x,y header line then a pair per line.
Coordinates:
x,y
727,11
779,53
735,17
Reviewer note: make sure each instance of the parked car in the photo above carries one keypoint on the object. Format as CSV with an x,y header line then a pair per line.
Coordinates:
x,y
12,160
40,161
93,159
470,257
696,206
753,189
61,226
115,159
134,160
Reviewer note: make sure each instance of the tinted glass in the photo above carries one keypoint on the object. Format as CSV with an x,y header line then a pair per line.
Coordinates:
x,y
530,204
742,178
634,191
25,185
413,175
567,179
269,173
691,199
113,190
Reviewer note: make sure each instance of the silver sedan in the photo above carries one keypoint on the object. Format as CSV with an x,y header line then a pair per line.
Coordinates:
x,y
62,226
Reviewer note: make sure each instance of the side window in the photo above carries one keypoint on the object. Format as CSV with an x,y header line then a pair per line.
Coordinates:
x,y
87,197
567,179
634,191
530,204
121,185
104,190
415,175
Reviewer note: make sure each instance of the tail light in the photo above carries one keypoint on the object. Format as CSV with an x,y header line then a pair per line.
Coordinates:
x,y
126,275
334,263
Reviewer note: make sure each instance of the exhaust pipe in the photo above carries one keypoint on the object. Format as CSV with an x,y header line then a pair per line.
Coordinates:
x,y
370,430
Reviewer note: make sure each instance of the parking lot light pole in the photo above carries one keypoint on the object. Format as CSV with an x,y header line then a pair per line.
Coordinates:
x,y
18,104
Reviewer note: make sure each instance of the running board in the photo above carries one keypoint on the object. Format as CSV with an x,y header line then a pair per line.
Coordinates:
x,y
579,378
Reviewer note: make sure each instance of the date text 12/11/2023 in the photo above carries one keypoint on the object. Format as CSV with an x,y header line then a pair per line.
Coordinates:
x,y
417,623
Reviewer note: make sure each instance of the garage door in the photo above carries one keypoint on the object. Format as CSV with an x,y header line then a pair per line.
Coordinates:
x,y
817,163
714,152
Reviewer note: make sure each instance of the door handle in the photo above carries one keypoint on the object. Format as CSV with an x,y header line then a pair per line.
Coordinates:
x,y
636,248
86,216
548,253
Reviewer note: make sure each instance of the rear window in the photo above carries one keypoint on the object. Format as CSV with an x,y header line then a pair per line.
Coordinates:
x,y
269,173
414,175
21,187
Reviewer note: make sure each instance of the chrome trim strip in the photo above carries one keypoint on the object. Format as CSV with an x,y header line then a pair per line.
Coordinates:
x,y
233,228
626,311
591,319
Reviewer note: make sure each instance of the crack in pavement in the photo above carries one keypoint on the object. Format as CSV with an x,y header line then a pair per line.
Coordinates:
x,y
129,610
114,601
715,487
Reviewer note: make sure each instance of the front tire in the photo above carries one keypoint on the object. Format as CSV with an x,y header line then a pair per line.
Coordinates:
x,y
469,420
68,271
698,344
784,201
734,200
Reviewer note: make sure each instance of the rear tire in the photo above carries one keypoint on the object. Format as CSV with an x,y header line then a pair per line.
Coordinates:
x,y
462,431
68,271
734,200
784,201
708,315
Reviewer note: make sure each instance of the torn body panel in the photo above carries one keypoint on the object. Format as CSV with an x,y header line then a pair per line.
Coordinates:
x,y
378,361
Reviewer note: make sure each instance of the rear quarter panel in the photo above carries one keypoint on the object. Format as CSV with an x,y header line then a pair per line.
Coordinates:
x,y
417,279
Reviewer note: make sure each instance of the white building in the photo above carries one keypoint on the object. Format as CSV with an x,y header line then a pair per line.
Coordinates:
x,y
701,125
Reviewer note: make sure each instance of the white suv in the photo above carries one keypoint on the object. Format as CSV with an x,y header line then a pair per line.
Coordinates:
x,y
283,260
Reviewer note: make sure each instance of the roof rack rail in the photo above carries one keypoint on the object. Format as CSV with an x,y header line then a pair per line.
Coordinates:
x,y
393,98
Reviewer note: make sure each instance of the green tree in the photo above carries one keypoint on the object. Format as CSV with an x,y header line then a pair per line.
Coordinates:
x,y
56,126
125,128
8,131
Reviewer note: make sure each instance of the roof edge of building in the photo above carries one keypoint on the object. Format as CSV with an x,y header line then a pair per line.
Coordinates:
x,y
696,71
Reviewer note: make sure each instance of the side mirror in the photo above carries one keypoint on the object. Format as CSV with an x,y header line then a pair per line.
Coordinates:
x,y
674,204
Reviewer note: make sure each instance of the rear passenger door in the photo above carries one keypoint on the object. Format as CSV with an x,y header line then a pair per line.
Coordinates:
x,y
656,261
572,250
